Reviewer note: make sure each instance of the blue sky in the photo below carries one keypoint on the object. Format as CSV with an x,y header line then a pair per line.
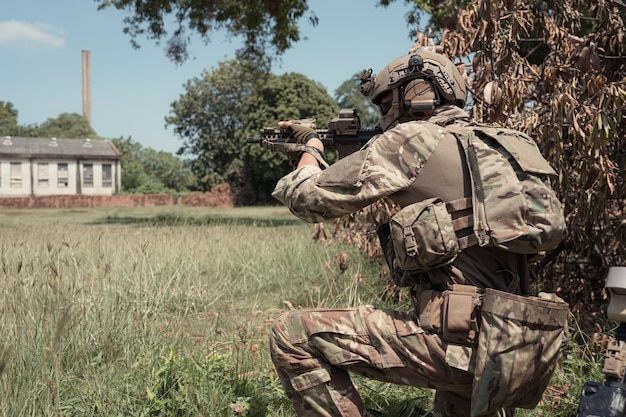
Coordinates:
x,y
41,43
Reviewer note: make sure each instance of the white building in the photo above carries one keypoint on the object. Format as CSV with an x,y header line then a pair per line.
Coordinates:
x,y
44,166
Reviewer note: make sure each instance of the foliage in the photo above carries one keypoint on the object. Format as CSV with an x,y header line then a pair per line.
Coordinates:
x,y
442,14
266,27
66,125
8,119
558,73
147,171
221,109
114,311
348,96
209,114
285,97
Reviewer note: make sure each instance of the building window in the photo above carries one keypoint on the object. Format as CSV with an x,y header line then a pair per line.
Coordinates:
x,y
16,175
107,177
42,175
88,175
62,176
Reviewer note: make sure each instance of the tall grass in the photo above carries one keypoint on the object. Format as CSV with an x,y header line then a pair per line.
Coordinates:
x,y
165,312
153,311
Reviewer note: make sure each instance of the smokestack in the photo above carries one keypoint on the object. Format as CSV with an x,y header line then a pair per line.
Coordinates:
x,y
87,86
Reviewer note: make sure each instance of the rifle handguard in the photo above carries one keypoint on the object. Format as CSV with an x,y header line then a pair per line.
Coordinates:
x,y
343,134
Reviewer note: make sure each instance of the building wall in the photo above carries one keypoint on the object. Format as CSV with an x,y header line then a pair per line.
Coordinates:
x,y
14,180
24,177
100,183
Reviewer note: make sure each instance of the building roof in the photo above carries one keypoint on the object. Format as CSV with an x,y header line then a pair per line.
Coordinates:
x,y
53,148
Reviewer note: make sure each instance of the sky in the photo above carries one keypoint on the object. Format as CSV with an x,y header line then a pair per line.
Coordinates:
x,y
41,44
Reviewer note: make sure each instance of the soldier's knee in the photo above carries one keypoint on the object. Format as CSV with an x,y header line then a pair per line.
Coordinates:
x,y
279,327
282,335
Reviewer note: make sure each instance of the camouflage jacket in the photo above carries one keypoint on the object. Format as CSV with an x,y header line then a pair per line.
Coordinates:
x,y
411,162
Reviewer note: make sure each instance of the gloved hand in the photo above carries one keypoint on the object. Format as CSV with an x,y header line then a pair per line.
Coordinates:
x,y
298,133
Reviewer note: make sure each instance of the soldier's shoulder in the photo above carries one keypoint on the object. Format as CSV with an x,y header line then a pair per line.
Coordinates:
x,y
418,127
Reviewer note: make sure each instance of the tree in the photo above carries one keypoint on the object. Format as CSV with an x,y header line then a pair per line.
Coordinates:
x,y
219,110
268,27
170,170
8,119
348,96
284,97
67,125
146,171
208,115
265,26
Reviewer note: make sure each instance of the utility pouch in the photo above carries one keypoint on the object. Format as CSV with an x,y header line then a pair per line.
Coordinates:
x,y
518,349
399,276
461,314
430,306
423,236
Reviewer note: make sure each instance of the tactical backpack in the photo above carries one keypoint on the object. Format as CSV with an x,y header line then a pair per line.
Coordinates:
x,y
512,205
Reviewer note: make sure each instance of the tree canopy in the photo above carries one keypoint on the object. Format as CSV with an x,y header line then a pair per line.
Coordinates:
x,y
9,125
146,171
265,26
66,125
348,96
220,109
8,119
285,97
208,116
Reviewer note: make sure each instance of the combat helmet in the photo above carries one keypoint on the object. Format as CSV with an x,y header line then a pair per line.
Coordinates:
x,y
420,81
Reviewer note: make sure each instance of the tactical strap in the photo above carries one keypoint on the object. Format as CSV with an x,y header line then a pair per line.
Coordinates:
x,y
463,221
317,154
481,228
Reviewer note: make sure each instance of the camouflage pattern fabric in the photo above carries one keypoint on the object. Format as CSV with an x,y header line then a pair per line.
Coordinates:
x,y
313,350
356,181
423,236
519,345
522,212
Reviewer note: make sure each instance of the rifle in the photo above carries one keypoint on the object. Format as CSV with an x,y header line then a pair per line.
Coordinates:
x,y
344,134
608,399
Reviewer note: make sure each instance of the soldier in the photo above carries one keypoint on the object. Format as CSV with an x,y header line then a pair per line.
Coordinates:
x,y
423,162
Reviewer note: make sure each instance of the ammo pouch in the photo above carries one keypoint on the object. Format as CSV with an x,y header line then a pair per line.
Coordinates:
x,y
423,236
399,276
461,314
454,313
518,349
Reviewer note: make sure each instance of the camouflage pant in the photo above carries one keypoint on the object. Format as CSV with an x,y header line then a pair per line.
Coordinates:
x,y
313,350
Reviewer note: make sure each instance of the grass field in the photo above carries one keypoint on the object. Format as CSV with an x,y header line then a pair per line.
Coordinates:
x,y
165,311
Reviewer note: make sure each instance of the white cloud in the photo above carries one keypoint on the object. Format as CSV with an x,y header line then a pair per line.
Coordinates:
x,y
22,34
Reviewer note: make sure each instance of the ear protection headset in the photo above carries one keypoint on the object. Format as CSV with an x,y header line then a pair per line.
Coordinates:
x,y
419,95
420,98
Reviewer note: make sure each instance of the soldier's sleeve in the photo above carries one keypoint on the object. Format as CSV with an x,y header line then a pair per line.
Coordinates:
x,y
390,164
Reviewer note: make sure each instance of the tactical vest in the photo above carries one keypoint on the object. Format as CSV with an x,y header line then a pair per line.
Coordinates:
x,y
512,205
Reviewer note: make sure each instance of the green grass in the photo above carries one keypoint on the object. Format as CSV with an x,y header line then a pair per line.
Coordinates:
x,y
166,312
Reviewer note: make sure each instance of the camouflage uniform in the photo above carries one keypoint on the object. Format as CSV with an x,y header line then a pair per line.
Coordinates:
x,y
313,350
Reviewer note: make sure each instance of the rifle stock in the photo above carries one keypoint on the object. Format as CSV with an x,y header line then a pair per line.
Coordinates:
x,y
344,134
